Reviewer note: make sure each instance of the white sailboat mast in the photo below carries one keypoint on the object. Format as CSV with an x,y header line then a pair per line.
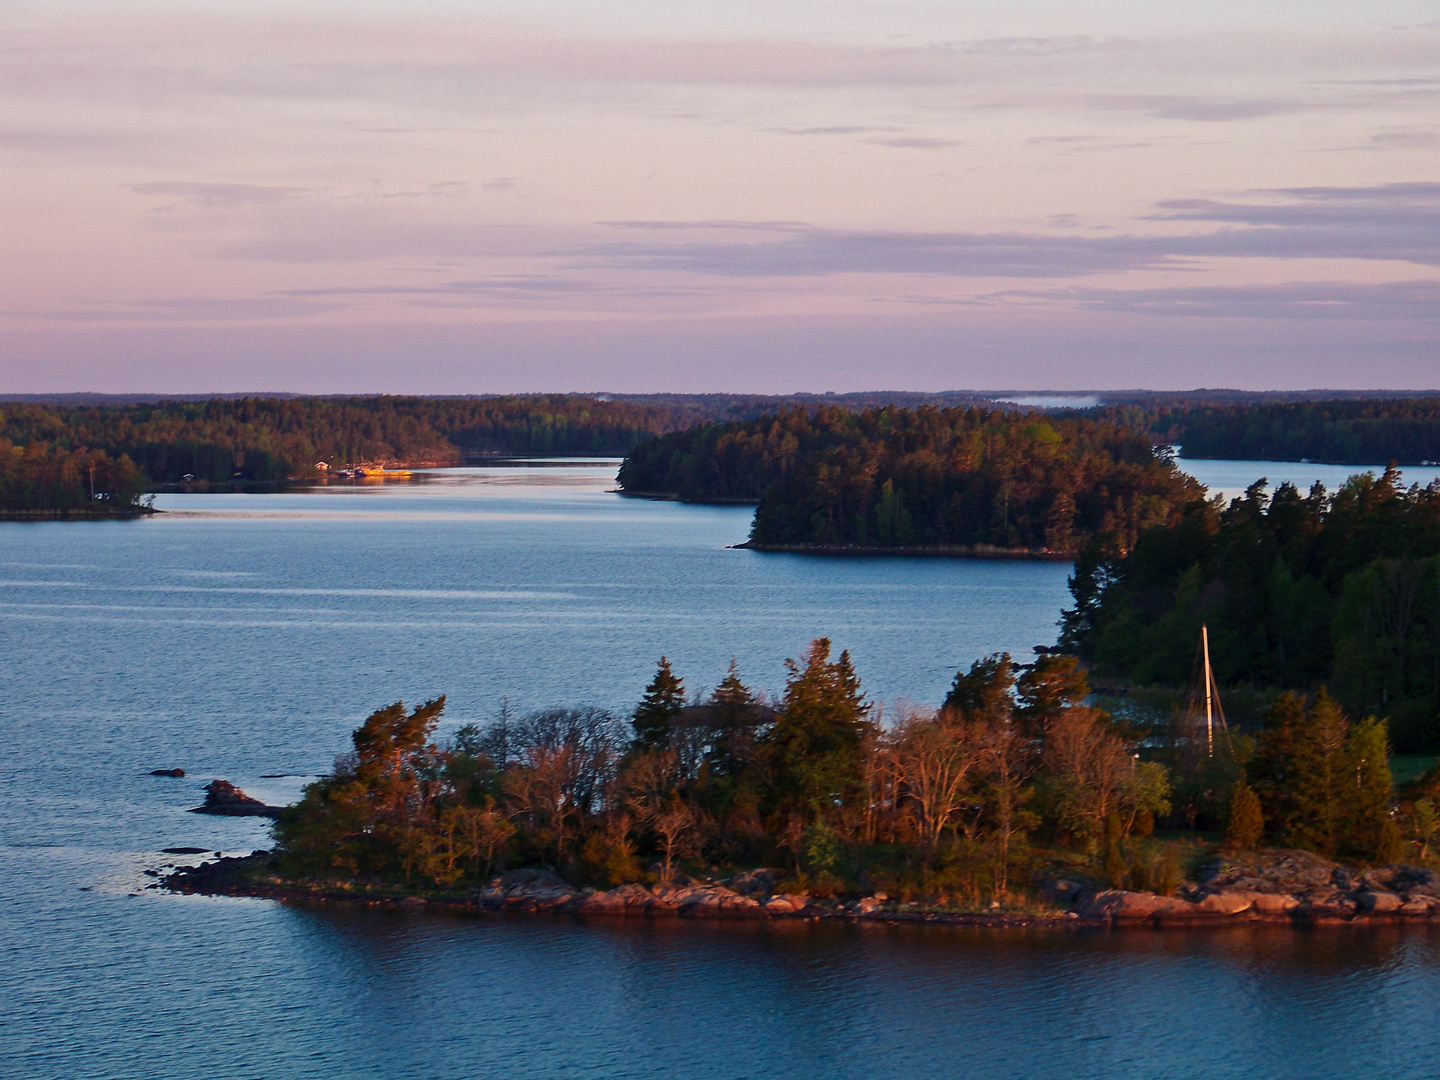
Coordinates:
x,y
1209,696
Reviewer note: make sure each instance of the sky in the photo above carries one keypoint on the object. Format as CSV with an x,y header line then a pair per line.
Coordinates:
x,y
445,197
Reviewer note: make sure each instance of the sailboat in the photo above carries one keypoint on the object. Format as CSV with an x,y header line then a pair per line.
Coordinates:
x,y
1204,690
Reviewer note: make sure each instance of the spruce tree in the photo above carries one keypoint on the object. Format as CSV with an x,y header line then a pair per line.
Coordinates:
x,y
663,700
818,739
735,718
1318,768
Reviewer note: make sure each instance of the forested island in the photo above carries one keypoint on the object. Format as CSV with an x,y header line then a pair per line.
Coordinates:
x,y
1014,797
1299,590
39,481
962,480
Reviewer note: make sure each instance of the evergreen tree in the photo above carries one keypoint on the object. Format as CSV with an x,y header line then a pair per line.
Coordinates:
x,y
735,717
1271,772
985,689
1319,764
1369,797
1247,821
818,738
1052,684
663,700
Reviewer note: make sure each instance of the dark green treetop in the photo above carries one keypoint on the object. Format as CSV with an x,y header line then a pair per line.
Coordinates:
x,y
663,700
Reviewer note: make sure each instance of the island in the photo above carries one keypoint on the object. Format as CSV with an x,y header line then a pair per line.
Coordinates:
x,y
958,481
39,481
1016,801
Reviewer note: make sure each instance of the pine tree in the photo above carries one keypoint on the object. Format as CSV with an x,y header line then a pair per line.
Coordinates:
x,y
663,700
985,689
1053,684
1247,820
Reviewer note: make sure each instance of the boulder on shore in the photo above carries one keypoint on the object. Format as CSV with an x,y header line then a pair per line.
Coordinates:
x,y
227,800
1119,905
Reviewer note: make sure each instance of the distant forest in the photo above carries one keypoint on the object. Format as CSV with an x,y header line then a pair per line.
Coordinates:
x,y
269,439
272,438
892,478
1298,590
1403,430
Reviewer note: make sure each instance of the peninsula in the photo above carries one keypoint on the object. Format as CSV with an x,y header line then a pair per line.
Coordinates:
x,y
1015,802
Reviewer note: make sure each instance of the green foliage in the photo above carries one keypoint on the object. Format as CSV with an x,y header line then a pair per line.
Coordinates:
x,y
1389,844
1325,784
1170,875
1424,822
889,477
1247,819
1051,686
1116,870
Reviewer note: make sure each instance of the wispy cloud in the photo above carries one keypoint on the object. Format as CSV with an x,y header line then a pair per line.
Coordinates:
x,y
217,195
1408,301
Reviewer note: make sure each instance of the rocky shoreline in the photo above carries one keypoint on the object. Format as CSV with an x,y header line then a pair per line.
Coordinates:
x,y
1284,887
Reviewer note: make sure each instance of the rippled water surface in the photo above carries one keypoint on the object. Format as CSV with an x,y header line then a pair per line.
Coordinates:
x,y
243,636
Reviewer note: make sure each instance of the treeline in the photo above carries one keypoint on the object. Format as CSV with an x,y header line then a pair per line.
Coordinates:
x,y
914,478
41,480
1012,774
270,439
1297,589
1403,430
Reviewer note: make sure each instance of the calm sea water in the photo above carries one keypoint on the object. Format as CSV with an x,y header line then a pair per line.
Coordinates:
x,y
244,636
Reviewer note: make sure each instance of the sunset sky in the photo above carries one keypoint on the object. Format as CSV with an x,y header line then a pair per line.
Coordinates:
x,y
490,197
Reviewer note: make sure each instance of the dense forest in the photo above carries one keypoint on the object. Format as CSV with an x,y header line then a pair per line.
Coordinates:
x,y
268,439
271,438
1298,590
43,481
891,478
1012,773
1350,432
